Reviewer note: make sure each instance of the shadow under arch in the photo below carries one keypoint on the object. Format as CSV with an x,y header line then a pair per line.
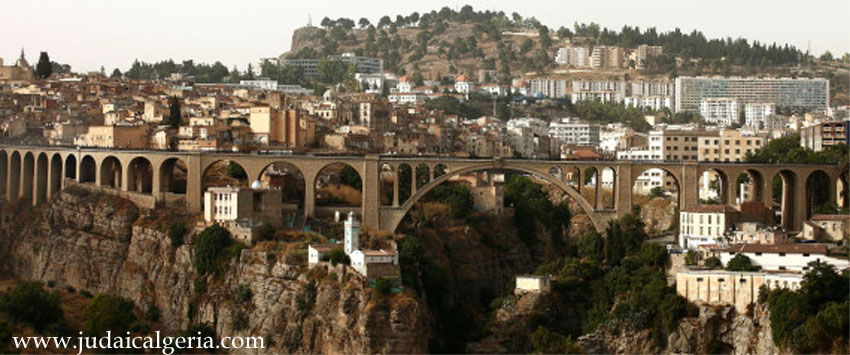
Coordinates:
x,y
404,209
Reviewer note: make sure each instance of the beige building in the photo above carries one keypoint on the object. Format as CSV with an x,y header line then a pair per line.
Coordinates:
x,y
730,145
607,57
736,288
643,52
117,136
229,204
831,228
274,127
757,233
21,71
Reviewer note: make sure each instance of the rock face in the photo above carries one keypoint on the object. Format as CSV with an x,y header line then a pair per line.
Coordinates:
x,y
89,242
717,329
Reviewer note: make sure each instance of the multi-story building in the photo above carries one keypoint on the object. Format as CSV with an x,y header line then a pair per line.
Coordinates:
x,y
730,145
833,228
115,136
607,57
652,88
705,224
820,135
720,111
643,52
546,87
736,288
578,57
21,71
756,113
650,178
757,233
310,67
783,257
271,126
574,132
228,204
655,103
810,94
599,90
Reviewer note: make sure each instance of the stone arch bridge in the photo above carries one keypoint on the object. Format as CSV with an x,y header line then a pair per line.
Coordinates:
x,y
38,173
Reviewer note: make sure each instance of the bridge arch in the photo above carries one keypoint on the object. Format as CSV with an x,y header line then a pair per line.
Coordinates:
x,y
28,175
173,175
88,170
41,178
14,189
140,175
110,172
288,178
55,175
598,222
346,189
4,172
71,167
818,191
787,197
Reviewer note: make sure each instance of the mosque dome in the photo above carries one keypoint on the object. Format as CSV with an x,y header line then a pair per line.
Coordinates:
x,y
256,184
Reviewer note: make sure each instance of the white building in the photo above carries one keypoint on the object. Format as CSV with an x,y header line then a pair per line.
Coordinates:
x,y
783,257
546,87
531,283
370,263
573,131
756,113
720,111
462,85
261,84
228,204
370,82
649,179
317,251
407,98
651,102
705,225
578,57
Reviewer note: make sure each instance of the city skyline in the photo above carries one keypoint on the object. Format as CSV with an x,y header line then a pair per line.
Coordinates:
x,y
95,33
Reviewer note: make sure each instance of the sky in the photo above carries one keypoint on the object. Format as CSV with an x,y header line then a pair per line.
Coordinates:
x,y
89,33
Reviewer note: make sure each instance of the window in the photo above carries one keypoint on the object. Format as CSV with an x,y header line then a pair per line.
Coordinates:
x,y
699,279
758,254
721,280
781,254
781,268
743,281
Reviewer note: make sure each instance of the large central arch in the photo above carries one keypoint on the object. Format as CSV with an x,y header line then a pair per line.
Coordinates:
x,y
394,218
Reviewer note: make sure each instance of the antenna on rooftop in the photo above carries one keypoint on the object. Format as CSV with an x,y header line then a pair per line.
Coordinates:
x,y
309,20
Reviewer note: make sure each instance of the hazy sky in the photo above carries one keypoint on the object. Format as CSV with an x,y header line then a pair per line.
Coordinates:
x,y
90,33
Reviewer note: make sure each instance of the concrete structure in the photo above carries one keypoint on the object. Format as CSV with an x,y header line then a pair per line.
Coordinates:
x,y
783,257
705,224
21,71
315,252
532,283
37,173
730,145
833,228
643,52
578,57
310,67
757,233
607,57
736,288
755,114
226,204
575,132
784,92
825,134
719,111
546,87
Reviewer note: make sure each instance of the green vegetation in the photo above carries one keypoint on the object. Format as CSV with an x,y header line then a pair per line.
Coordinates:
x,y
348,176
266,232
109,312
612,112
452,106
632,275
175,233
532,206
545,342
235,171
44,68
30,303
741,263
457,196
787,150
814,318
383,286
211,249
337,256
691,258
175,118
713,262
202,73
591,246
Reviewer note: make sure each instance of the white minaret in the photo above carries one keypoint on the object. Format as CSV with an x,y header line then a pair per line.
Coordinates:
x,y
352,234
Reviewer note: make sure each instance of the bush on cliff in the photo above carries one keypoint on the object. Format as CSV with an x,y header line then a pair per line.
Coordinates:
x,y
109,312
30,303
175,232
210,247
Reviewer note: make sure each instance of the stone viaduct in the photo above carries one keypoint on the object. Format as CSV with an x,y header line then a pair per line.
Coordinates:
x,y
37,173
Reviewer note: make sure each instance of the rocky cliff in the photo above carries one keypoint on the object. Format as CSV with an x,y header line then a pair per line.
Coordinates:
x,y
95,242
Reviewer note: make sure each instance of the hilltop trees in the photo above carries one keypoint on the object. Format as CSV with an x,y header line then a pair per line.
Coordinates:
x,y
44,68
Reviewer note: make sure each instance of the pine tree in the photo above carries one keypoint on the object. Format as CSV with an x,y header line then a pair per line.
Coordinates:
x,y
174,117
44,68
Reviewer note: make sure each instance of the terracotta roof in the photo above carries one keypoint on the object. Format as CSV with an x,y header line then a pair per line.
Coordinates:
x,y
381,252
799,248
711,209
324,247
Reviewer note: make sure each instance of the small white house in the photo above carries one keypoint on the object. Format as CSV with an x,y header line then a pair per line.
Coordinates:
x,y
316,252
531,283
783,257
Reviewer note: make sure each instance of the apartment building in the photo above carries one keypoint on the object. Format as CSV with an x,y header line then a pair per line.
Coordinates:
x,y
575,132
705,224
730,145
719,111
310,67
229,204
598,90
574,56
755,114
784,92
607,57
546,87
820,135
643,52
655,103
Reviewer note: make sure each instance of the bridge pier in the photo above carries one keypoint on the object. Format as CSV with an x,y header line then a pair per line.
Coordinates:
x,y
395,186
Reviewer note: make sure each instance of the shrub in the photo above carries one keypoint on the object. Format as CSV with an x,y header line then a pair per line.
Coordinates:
x,y
337,255
691,258
109,312
545,342
383,286
209,247
152,313
175,232
30,303
242,294
51,283
70,289
266,232
741,263
713,262
86,294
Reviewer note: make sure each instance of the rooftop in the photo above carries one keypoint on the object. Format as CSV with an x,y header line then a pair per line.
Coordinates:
x,y
803,248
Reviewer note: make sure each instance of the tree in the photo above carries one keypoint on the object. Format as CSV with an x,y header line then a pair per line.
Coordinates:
x,y
44,68
116,74
383,286
174,116
364,22
337,256
266,232
591,246
209,247
109,312
826,57
175,233
29,302
691,257
741,263
546,342
713,262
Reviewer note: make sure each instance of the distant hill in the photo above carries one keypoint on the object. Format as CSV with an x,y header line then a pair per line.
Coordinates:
x,y
446,43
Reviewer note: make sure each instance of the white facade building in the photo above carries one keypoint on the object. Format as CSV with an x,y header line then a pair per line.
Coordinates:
x,y
578,57
720,111
784,257
573,131
705,225
651,102
756,113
